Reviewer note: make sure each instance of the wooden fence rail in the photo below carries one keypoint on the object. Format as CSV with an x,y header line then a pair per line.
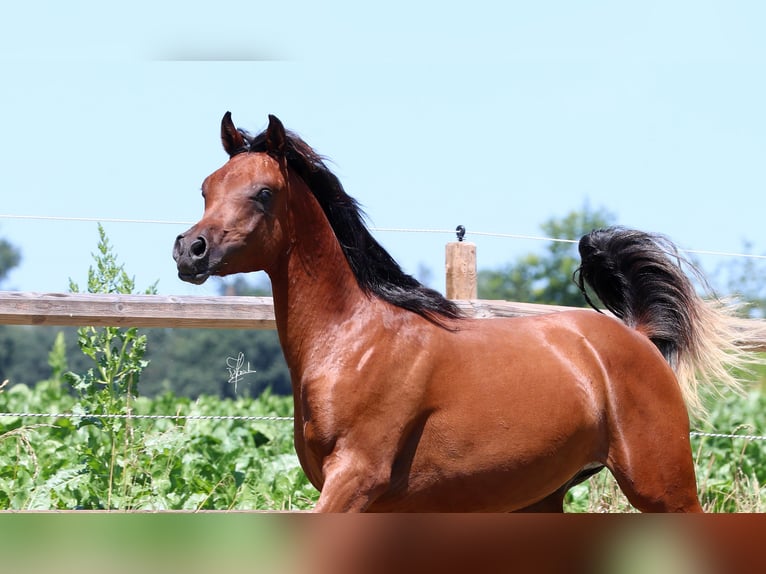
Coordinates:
x,y
225,312
78,309
220,312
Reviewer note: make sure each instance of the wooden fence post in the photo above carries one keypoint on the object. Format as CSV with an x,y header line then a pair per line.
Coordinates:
x,y
461,270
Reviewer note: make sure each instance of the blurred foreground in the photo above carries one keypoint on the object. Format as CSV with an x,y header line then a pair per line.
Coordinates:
x,y
370,544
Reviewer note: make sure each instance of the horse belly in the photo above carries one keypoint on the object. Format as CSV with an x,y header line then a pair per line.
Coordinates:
x,y
504,439
514,472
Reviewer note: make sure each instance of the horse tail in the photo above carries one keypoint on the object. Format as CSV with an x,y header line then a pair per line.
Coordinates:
x,y
640,278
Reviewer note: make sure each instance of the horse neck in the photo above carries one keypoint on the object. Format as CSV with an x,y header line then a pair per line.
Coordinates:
x,y
313,285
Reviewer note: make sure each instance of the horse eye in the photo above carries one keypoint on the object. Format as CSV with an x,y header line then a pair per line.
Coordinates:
x,y
264,195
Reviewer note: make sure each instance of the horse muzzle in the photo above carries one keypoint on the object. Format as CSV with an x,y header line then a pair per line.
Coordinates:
x,y
192,256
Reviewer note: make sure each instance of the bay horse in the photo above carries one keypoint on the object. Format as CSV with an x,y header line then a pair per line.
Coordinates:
x,y
402,403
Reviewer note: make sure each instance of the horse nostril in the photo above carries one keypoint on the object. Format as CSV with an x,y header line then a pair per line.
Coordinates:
x,y
177,247
198,249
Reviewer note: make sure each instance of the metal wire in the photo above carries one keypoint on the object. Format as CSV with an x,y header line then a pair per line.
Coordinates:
x,y
118,416
723,435
377,229
274,419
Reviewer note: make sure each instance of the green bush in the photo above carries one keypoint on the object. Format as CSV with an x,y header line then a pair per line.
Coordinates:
x,y
156,464
104,455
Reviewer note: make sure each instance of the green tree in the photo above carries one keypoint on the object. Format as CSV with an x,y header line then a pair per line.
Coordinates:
x,y
547,277
10,257
745,279
23,351
257,285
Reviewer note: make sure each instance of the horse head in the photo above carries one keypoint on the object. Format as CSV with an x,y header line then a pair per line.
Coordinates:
x,y
242,228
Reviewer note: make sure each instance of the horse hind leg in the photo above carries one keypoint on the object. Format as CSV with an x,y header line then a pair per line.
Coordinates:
x,y
655,493
656,475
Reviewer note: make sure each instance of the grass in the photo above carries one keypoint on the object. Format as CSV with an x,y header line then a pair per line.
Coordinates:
x,y
187,464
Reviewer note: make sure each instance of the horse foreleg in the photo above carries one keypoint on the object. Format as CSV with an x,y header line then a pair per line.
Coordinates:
x,y
351,484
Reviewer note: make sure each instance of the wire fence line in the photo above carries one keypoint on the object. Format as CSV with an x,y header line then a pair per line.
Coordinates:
x,y
270,418
93,219
376,229
150,417
725,435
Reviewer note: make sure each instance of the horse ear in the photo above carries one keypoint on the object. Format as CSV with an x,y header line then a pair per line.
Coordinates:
x,y
233,141
275,137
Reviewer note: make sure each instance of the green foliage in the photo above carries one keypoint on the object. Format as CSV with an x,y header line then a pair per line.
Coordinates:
x,y
180,464
163,464
253,285
23,349
103,457
732,472
108,276
108,387
746,279
57,360
117,354
10,257
546,278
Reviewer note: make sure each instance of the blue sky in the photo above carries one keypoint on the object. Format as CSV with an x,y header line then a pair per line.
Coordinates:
x,y
493,115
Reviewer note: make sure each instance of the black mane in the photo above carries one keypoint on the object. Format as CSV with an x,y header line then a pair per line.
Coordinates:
x,y
375,270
